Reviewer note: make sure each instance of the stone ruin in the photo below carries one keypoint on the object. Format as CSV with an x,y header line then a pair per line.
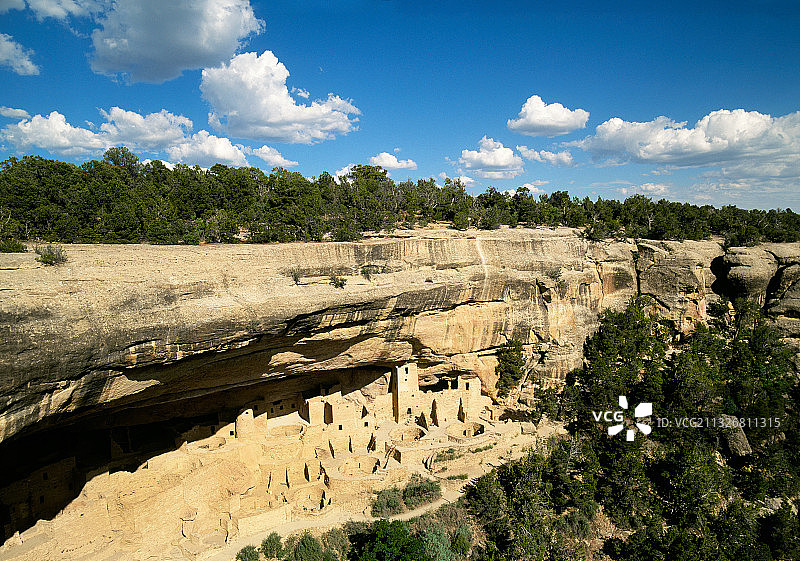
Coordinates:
x,y
276,460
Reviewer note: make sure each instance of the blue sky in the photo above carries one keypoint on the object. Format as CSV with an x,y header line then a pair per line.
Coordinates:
x,y
695,102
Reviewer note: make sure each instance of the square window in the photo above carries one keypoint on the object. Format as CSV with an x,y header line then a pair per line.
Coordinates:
x,y
44,476
467,385
231,433
41,499
272,410
366,423
340,427
281,407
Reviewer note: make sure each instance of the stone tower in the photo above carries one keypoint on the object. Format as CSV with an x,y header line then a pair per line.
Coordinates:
x,y
405,390
470,389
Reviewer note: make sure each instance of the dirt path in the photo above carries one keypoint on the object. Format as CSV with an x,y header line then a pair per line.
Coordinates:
x,y
335,518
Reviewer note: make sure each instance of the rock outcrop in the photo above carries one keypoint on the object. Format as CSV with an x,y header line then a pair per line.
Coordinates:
x,y
118,327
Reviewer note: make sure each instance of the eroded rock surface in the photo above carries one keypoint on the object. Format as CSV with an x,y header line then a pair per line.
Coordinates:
x,y
118,326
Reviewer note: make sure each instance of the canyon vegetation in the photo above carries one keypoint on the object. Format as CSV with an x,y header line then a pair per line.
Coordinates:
x,y
120,200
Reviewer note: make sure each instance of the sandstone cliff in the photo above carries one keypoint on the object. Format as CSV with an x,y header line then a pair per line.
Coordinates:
x,y
122,327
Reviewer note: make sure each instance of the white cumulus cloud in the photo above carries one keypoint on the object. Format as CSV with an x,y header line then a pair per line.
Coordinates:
x,y
7,5
534,185
16,56
563,158
492,160
155,40
146,132
12,113
271,156
54,134
61,9
168,165
466,181
537,118
390,161
345,170
152,133
301,92
205,150
720,138
250,99
746,154
648,189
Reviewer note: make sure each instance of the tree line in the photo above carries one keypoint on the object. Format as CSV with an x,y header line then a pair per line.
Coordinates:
x,y
704,492
118,199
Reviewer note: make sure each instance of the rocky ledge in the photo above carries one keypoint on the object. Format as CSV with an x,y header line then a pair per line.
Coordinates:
x,y
118,328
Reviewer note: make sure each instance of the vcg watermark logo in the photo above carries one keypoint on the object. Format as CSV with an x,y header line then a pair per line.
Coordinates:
x,y
618,417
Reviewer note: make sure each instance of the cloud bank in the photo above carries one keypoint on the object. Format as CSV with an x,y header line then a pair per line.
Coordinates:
x,y
62,9
152,133
720,138
12,113
746,152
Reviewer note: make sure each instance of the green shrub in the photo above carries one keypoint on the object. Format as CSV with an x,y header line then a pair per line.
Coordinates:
x,y
578,524
388,541
461,542
368,270
271,547
307,548
247,553
388,502
352,528
437,545
547,403
459,476
554,274
447,455
461,220
11,246
509,367
336,540
421,491
337,281
50,254
296,276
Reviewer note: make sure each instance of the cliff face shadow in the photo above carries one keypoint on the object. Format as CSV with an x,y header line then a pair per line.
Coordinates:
x,y
721,284
43,471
